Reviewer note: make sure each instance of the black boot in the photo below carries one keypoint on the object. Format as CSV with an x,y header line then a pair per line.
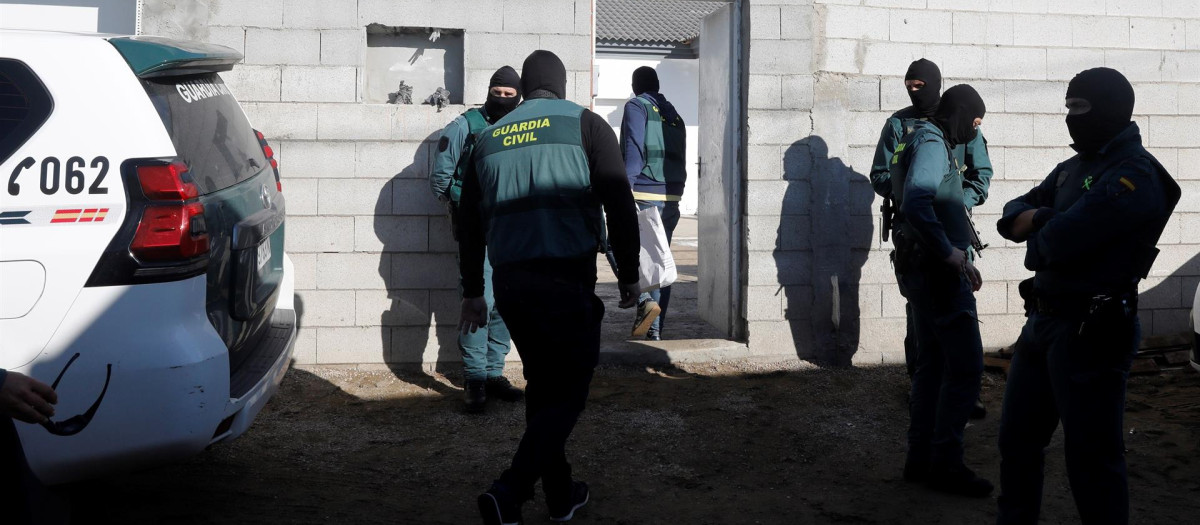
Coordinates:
x,y
476,396
499,387
978,411
959,480
562,506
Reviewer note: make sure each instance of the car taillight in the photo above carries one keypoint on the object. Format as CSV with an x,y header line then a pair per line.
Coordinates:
x,y
172,226
270,153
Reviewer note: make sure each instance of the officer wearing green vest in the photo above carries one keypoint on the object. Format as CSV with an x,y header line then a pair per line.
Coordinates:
x,y
654,146
483,351
923,82
540,186
933,236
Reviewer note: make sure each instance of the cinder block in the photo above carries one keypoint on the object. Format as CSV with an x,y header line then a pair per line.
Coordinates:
x,y
283,121
927,27
1003,264
305,266
856,23
574,50
283,46
441,238
905,4
870,301
446,306
796,22
381,233
780,56
1178,9
394,308
343,47
583,88
778,127
1134,7
1033,165
893,303
842,56
993,94
1050,130
1011,63
319,84
1064,64
231,37
354,121
1171,131
762,233
354,197
764,22
1156,33
794,232
1020,6
958,5
1192,37
999,29
885,58
971,28
764,162
301,195
1076,7
421,123
992,298
1000,330
1137,66
469,15
798,91
1169,158
253,83
1016,304
424,271
878,270
320,14
1009,129
766,92
583,17
1100,32
413,197
964,62
1161,292
1156,99
319,160
1189,161
305,350
1042,30
353,271
777,197
854,94
764,303
552,16
353,345
797,302
327,308
1190,202
320,234
780,268
1167,322
392,159
893,96
264,13
1181,66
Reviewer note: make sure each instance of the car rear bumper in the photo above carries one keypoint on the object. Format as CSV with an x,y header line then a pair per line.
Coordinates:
x,y
256,381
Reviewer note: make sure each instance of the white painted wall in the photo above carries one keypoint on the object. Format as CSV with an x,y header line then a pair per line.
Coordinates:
x,y
679,81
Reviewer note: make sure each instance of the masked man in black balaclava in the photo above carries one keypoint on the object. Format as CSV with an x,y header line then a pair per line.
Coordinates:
x,y
923,83
1090,230
539,181
932,237
483,352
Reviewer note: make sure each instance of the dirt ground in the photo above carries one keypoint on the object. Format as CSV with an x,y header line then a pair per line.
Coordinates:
x,y
736,444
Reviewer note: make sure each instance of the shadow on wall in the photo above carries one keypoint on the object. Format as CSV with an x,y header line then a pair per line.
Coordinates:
x,y
420,290
823,240
1169,303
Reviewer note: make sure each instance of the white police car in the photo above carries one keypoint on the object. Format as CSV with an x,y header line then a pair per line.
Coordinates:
x,y
141,249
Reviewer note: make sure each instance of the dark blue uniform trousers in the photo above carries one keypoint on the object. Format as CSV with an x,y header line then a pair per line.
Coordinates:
x,y
1058,374
949,362
555,323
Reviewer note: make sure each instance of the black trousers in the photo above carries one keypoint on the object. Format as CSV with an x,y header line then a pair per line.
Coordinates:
x,y
16,480
555,323
1059,374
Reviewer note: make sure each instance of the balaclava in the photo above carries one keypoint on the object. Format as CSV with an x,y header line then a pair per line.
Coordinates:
x,y
925,100
543,76
497,107
956,113
645,79
1111,98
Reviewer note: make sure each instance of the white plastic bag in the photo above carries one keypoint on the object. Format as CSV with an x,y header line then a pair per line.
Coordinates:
x,y
657,265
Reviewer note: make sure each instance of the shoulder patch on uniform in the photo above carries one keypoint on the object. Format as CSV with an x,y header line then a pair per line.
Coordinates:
x,y
443,144
1127,183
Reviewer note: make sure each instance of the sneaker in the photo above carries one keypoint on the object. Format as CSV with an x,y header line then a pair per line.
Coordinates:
x,y
564,510
499,387
958,480
647,312
495,510
475,396
978,411
654,335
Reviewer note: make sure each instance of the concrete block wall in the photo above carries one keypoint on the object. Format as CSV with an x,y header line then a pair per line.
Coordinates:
x,y
813,126
375,261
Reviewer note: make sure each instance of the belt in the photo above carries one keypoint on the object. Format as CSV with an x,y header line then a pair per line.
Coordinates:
x,y
1077,304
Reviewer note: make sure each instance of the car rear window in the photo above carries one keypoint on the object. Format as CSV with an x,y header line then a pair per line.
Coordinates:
x,y
208,128
25,104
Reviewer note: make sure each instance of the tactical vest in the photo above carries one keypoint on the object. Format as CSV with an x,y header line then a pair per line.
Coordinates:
x,y
947,203
909,125
535,182
664,146
476,122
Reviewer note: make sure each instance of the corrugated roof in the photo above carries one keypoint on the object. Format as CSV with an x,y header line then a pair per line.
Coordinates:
x,y
675,21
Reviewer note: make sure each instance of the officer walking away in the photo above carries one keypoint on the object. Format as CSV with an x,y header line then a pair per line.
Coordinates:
x,y
484,350
1090,230
654,145
31,401
540,182
923,83
938,279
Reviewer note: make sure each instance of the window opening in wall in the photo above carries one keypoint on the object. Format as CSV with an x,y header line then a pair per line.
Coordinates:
x,y
408,65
